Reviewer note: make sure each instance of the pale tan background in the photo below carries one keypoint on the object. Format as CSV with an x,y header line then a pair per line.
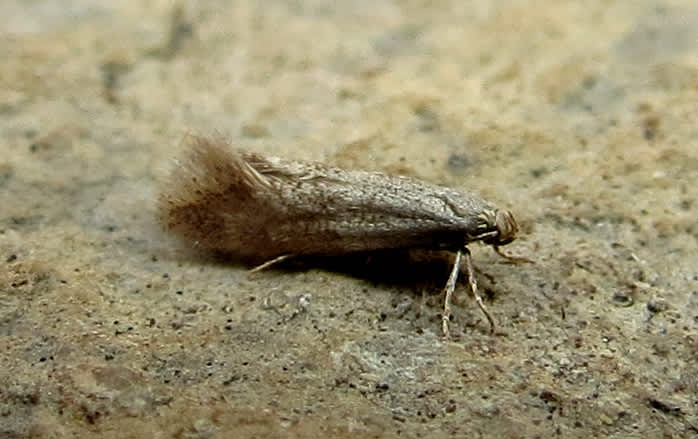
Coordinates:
x,y
578,116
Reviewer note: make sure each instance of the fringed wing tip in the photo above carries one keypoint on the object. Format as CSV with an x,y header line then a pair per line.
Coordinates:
x,y
207,192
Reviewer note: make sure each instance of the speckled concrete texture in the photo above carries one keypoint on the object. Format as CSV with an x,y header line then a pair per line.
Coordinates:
x,y
578,116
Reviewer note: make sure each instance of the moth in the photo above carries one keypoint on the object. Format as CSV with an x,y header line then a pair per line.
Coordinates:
x,y
267,209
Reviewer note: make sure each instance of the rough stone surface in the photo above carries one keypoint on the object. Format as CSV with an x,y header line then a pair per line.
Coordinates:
x,y
578,116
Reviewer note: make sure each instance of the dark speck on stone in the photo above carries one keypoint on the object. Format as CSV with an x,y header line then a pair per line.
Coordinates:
x,y
538,172
458,162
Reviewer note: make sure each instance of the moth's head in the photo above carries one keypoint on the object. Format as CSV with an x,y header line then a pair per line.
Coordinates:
x,y
504,228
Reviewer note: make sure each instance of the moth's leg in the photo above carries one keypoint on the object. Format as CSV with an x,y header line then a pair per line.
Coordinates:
x,y
448,290
269,263
472,282
514,259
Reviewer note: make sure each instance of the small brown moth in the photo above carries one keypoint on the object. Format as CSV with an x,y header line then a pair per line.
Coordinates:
x,y
269,209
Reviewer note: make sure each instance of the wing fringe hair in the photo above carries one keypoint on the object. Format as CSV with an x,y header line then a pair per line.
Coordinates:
x,y
210,200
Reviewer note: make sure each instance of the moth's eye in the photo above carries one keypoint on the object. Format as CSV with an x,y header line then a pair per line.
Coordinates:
x,y
506,226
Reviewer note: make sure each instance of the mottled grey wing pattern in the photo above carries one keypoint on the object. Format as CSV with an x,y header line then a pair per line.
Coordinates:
x,y
259,208
329,210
